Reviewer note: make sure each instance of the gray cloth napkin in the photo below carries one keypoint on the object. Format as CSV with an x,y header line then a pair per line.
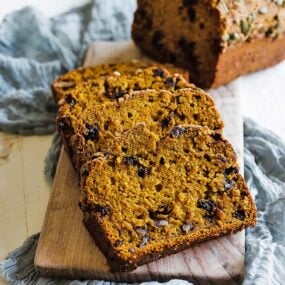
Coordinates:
x,y
34,49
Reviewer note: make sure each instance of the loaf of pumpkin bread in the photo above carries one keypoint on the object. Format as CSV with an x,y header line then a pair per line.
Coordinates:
x,y
216,41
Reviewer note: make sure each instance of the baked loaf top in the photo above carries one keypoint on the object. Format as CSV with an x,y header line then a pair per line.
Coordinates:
x,y
97,126
67,82
242,21
178,190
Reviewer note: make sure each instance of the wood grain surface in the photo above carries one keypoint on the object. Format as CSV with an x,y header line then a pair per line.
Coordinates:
x,y
65,248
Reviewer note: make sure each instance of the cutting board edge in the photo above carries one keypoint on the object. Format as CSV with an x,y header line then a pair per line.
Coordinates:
x,y
65,273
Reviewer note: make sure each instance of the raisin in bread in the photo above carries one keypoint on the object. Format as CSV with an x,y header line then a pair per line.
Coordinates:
x,y
66,82
95,127
216,41
165,195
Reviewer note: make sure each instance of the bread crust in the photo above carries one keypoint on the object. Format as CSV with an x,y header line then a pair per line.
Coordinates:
x,y
94,227
247,57
79,75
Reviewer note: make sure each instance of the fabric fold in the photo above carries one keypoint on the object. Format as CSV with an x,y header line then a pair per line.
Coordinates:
x,y
35,49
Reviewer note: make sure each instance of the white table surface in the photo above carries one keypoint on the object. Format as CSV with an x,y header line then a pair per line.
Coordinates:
x,y
24,191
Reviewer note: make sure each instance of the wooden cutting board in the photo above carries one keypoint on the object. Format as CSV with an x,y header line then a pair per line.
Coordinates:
x,y
65,248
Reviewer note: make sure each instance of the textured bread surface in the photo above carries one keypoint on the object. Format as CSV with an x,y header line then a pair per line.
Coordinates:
x,y
94,128
68,81
110,88
211,37
115,85
143,203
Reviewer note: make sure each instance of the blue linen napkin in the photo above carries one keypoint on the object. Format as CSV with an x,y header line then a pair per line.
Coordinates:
x,y
35,49
33,52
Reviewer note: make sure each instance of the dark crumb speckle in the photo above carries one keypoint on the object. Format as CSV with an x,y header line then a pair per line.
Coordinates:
x,y
230,170
170,81
102,210
165,122
191,14
65,125
93,132
158,187
216,136
164,209
130,160
206,205
118,243
95,84
158,72
188,47
197,97
162,161
222,158
210,208
207,157
143,171
239,214
118,94
189,5
70,100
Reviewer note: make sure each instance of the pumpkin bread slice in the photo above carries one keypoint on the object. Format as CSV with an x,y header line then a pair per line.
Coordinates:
x,y
111,88
94,128
143,202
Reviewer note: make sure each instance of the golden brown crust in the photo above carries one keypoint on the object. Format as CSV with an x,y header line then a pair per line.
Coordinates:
x,y
118,264
248,57
71,79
